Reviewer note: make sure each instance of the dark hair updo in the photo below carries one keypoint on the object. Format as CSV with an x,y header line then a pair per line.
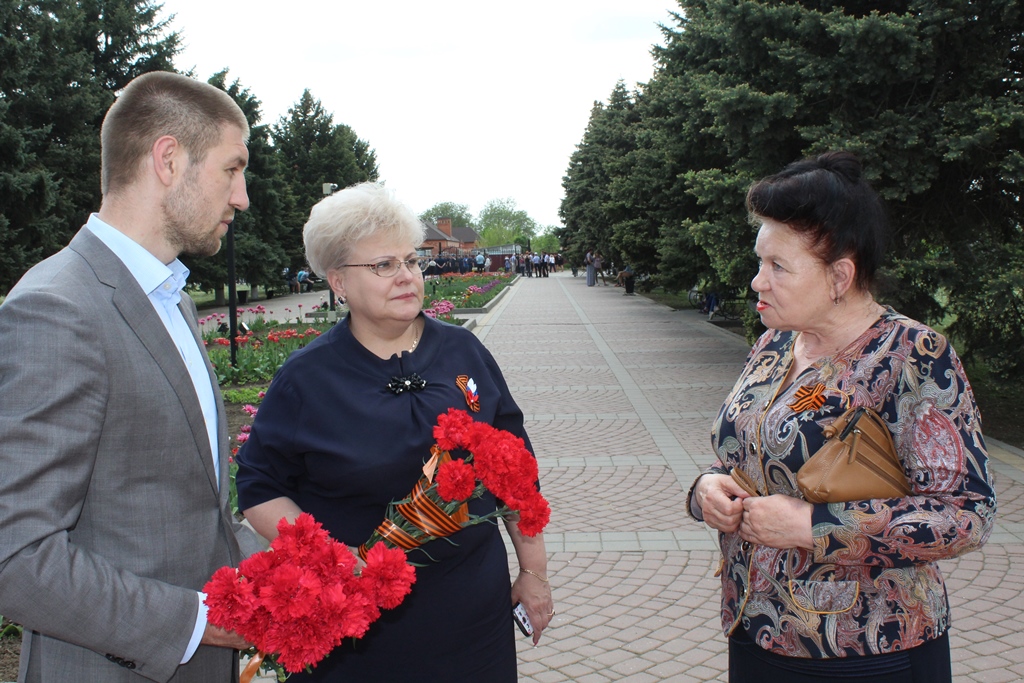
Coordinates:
x,y
826,200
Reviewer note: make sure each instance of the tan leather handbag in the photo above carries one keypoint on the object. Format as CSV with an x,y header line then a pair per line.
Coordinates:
x,y
857,462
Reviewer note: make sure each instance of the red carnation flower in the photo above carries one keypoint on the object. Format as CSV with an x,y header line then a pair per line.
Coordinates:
x,y
534,514
478,435
497,462
236,596
452,429
388,577
354,608
455,481
301,598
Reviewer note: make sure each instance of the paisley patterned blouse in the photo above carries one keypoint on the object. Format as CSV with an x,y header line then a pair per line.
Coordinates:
x,y
871,585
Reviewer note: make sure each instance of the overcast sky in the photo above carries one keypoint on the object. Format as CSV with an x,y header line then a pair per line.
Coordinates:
x,y
463,101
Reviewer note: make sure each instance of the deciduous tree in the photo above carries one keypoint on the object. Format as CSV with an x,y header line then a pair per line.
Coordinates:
x,y
502,222
459,213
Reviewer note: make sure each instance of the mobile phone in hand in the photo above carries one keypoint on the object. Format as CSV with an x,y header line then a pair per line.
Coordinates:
x,y
522,621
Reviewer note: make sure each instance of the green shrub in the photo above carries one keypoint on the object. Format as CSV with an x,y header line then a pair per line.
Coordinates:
x,y
244,395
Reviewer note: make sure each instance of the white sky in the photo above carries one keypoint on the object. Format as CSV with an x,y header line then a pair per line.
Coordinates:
x,y
463,101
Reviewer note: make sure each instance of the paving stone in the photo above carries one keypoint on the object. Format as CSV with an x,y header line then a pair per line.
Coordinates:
x,y
996,676
594,677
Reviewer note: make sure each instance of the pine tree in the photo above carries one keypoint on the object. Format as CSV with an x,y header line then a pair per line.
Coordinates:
x,y
587,182
928,94
63,62
313,150
261,231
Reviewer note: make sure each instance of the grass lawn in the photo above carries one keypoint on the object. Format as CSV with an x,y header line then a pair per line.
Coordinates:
x,y
674,300
206,298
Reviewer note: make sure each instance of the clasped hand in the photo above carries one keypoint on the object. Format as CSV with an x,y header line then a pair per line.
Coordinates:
x,y
776,521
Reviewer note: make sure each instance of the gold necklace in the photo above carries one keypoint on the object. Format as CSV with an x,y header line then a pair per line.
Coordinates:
x,y
416,338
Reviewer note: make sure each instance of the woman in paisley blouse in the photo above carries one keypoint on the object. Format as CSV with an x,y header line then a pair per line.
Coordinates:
x,y
849,591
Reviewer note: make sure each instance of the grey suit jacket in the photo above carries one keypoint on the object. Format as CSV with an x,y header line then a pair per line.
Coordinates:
x,y
110,515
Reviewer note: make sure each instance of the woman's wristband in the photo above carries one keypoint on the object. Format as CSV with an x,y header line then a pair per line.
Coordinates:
x,y
533,573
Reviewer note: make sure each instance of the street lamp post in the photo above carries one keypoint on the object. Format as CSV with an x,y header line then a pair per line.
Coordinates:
x,y
328,190
232,295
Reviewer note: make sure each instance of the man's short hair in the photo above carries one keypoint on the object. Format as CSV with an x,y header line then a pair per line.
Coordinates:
x,y
162,103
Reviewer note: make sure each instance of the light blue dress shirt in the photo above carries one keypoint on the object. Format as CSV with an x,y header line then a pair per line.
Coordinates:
x,y
163,285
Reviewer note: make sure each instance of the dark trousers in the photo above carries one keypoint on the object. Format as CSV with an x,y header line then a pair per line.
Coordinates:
x,y
928,663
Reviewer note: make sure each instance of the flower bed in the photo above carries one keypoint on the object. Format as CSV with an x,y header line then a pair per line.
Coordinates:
x,y
261,350
467,291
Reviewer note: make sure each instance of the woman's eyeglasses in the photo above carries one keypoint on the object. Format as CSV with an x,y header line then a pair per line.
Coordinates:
x,y
390,267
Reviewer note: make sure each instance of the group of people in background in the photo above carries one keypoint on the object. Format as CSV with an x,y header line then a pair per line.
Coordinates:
x,y
114,449
534,263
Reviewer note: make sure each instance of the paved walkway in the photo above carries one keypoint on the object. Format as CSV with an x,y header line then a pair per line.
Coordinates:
x,y
619,395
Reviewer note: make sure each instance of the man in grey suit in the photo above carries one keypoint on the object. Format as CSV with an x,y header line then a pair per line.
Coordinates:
x,y
113,442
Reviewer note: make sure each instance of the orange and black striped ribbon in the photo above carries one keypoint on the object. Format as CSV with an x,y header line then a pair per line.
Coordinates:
x,y
424,514
808,398
473,401
393,534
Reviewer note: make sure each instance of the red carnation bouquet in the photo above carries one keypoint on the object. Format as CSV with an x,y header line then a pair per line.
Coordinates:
x,y
299,599
496,461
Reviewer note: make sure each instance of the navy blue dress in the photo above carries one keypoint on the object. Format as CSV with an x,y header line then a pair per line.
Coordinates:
x,y
335,439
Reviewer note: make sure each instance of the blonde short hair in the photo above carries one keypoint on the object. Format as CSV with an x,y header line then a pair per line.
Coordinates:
x,y
338,222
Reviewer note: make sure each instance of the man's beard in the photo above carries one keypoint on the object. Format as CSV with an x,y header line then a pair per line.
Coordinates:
x,y
183,219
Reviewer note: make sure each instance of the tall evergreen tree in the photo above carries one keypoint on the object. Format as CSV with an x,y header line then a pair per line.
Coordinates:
x,y
587,182
313,150
261,231
120,40
610,185
928,94
28,190
63,62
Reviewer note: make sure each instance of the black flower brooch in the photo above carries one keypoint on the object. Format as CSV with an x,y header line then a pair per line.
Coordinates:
x,y
412,382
